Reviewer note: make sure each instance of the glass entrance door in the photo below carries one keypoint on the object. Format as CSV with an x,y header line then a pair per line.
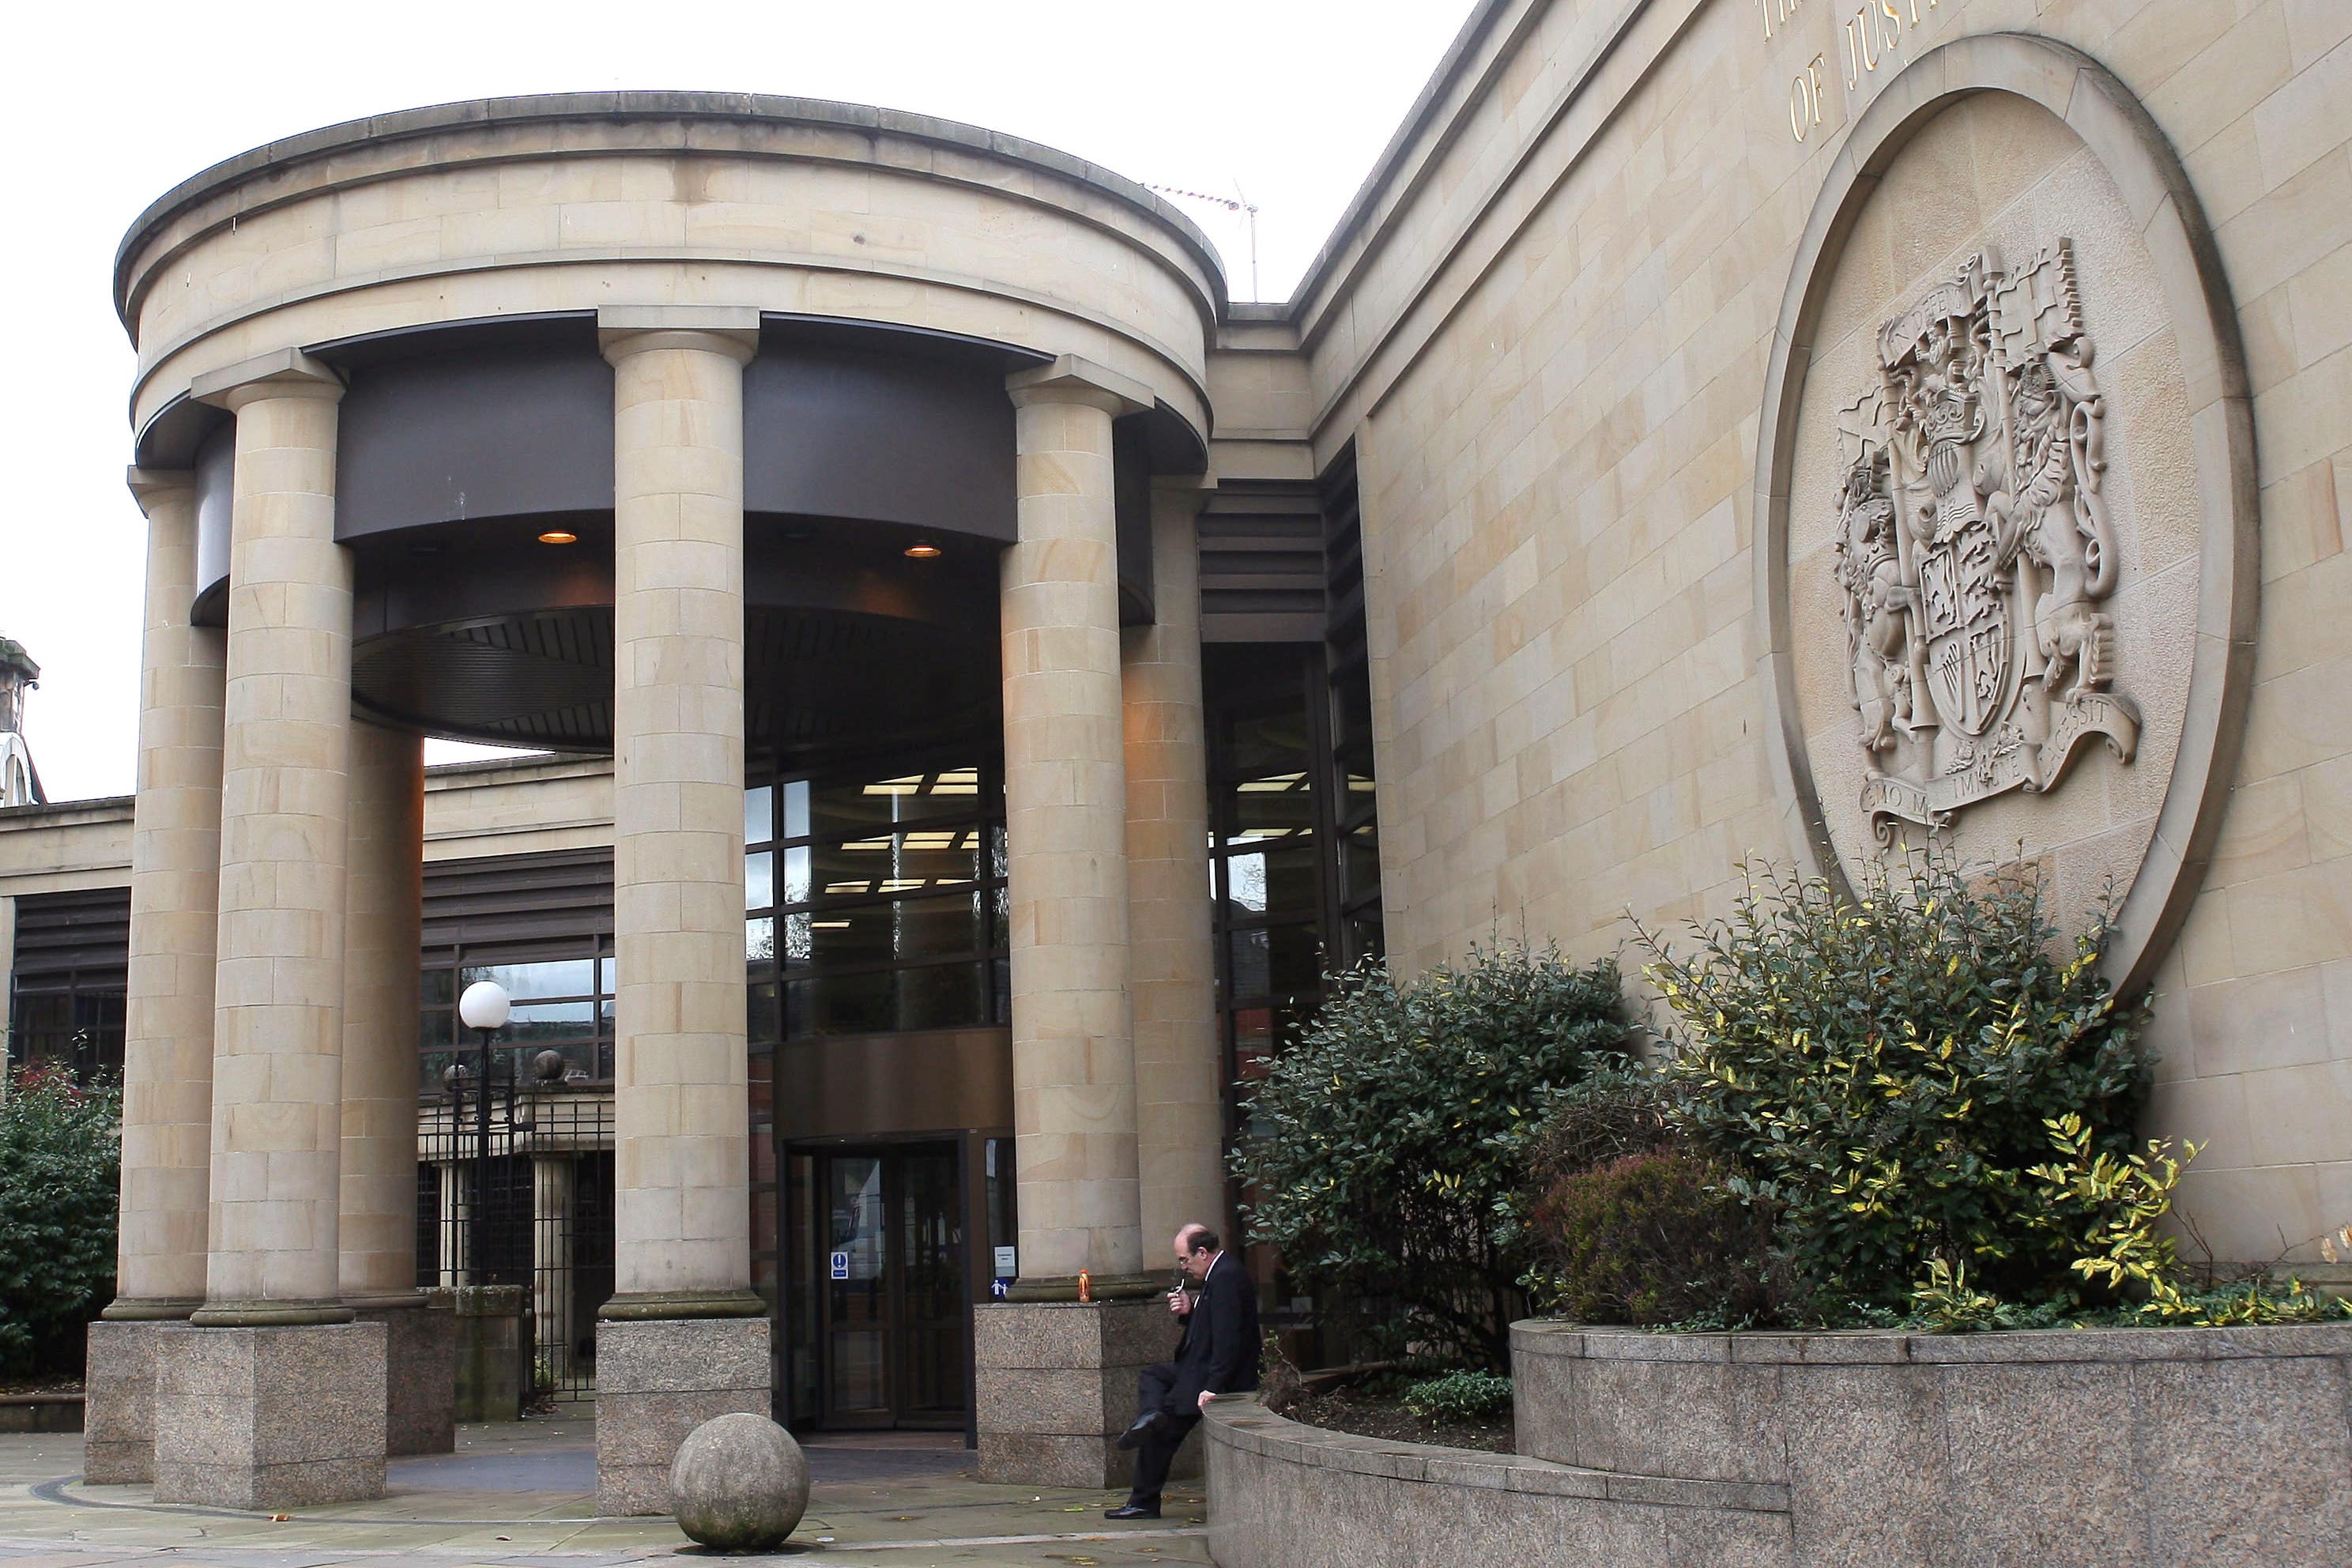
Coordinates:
x,y
888,1267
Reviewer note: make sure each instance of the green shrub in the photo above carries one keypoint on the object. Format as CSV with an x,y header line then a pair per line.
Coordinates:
x,y
1460,1397
1882,1071
2110,1204
1610,1113
1650,1239
59,1165
1384,1153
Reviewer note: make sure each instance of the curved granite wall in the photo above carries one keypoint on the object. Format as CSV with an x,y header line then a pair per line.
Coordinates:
x,y
1282,1495
2093,1447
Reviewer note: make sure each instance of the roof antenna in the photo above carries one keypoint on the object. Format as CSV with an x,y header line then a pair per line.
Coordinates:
x,y
1238,203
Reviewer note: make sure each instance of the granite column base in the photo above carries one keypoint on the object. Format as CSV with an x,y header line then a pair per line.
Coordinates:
x,y
1056,1386
420,1373
119,1400
270,1417
657,1380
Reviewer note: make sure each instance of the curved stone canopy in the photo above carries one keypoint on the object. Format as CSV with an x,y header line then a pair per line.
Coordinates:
x,y
452,266
570,202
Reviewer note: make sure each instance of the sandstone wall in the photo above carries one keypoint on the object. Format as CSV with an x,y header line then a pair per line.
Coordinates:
x,y
1550,338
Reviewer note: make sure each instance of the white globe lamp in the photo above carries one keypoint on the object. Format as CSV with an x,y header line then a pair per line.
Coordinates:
x,y
484,1006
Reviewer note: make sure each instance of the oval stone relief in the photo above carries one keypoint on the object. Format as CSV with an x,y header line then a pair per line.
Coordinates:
x,y
1987,529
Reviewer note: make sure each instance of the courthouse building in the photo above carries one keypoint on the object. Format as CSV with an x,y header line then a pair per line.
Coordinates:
x,y
993,674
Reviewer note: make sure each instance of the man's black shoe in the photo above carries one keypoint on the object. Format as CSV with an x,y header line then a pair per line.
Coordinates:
x,y
1133,1436
1130,1510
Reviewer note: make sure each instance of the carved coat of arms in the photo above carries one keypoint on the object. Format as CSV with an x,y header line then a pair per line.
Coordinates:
x,y
1974,548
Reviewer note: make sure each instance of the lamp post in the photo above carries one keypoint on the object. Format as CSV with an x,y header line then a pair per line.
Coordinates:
x,y
483,1009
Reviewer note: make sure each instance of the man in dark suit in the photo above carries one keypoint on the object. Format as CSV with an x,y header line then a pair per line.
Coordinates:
x,y
1218,1355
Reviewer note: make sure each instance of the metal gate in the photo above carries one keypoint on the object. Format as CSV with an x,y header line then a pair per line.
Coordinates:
x,y
515,1189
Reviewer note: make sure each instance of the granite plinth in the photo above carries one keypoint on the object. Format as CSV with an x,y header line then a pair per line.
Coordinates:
x,y
119,1401
1055,1385
657,1381
273,1417
420,1375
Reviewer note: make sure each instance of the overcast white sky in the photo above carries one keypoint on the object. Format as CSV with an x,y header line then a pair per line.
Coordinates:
x,y
107,105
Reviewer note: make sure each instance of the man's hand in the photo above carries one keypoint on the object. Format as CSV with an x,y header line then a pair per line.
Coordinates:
x,y
1205,1397
1179,1303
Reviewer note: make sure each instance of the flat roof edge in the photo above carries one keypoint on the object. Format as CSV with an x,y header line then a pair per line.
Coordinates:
x,y
1391,159
648,104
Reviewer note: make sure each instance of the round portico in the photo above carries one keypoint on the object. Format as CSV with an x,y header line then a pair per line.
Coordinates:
x,y
741,438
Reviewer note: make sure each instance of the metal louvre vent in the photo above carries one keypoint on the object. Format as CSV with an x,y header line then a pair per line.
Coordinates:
x,y
60,936
517,897
1262,562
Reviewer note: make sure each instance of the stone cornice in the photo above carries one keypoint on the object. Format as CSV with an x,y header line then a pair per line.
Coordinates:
x,y
272,162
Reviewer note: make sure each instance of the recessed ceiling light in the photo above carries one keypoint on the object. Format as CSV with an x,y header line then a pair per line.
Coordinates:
x,y
559,536
922,550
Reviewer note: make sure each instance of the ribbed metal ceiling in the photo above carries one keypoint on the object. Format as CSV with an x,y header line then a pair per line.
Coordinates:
x,y
817,681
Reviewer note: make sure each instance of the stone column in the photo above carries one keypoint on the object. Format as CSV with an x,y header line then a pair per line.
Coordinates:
x,y
684,1339
1056,1376
167,1038
1180,1111
550,1260
457,1222
383,933
275,1398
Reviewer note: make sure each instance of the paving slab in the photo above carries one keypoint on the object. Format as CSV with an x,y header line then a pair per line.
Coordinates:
x,y
523,1495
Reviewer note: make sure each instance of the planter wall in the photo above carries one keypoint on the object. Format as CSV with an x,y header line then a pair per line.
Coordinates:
x,y
1286,1496
2111,1447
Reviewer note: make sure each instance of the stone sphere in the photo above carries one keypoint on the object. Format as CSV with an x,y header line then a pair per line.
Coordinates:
x,y
739,1483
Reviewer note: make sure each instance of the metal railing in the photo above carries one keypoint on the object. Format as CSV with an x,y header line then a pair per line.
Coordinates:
x,y
516,1189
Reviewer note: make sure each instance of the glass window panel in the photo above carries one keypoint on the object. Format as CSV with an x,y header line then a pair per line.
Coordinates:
x,y
899,932
795,824
758,880
579,1061
795,887
1360,861
1267,793
608,975
942,996
760,939
1279,960
759,813
543,1022
762,1020
437,984
860,805
560,977
760,1080
1272,880
581,1013
906,861
435,1027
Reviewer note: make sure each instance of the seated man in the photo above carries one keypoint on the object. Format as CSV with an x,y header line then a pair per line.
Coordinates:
x,y
1218,1355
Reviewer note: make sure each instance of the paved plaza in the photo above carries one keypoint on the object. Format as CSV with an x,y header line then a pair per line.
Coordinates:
x,y
524,1494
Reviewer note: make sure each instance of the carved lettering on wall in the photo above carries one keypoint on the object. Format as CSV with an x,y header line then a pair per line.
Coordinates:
x,y
1974,548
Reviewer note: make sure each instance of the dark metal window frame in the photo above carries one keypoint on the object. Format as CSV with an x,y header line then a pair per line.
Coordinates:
x,y
983,815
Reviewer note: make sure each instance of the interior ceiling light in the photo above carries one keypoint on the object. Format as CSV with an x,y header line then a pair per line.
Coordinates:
x,y
559,536
922,550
